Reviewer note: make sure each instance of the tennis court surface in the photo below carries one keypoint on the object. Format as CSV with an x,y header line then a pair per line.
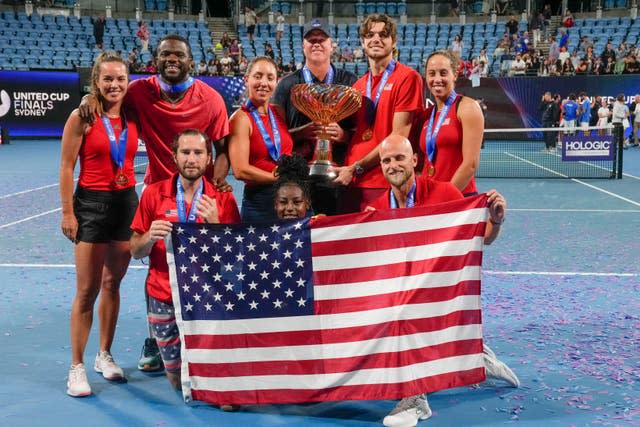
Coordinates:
x,y
561,300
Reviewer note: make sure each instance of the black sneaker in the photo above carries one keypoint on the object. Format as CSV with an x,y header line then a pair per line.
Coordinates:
x,y
150,360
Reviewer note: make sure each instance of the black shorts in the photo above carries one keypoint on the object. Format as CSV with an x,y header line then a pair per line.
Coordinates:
x,y
104,216
251,29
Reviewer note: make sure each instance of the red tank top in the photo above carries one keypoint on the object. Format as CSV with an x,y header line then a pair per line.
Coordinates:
x,y
97,170
258,152
448,145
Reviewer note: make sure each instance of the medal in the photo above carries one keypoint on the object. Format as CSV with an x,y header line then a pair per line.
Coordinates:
x,y
121,179
273,145
367,135
432,170
431,133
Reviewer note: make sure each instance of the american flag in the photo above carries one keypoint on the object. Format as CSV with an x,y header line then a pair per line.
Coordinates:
x,y
377,305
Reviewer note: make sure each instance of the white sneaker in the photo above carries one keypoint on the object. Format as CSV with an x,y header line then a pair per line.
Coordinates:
x,y
496,369
108,367
408,411
77,384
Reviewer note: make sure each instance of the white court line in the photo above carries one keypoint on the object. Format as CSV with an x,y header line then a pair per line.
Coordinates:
x,y
491,272
135,267
37,216
31,190
575,210
576,180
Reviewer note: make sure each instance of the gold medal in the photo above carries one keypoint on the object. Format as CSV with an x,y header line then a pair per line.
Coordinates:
x,y
431,171
121,179
367,135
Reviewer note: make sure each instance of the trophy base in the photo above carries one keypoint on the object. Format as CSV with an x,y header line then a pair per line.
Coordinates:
x,y
319,171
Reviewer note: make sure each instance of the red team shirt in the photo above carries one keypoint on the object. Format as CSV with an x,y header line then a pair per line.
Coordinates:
x,y
428,192
97,170
448,145
402,93
160,121
258,153
158,201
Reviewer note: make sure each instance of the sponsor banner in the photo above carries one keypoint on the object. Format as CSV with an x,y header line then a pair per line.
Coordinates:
x,y
37,104
581,147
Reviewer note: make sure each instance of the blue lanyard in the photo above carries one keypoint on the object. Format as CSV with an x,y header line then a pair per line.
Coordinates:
x,y
182,212
118,148
309,78
371,113
411,198
429,137
177,88
273,146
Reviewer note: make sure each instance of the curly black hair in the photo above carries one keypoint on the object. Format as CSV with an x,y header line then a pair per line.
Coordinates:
x,y
292,170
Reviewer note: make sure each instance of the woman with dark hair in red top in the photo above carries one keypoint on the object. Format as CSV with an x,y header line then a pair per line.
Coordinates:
x,y
452,131
97,216
258,138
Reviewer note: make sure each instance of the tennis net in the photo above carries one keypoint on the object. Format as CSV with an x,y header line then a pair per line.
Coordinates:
x,y
567,153
141,160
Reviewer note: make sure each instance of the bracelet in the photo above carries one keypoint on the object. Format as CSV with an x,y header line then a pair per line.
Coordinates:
x,y
497,224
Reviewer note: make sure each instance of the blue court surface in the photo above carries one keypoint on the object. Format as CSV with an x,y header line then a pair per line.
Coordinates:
x,y
561,299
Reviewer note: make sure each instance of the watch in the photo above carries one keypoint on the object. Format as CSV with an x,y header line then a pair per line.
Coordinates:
x,y
359,170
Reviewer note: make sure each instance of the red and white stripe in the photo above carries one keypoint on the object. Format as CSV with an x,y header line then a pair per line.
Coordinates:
x,y
397,303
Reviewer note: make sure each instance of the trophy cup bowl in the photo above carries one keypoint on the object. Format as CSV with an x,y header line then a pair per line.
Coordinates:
x,y
324,104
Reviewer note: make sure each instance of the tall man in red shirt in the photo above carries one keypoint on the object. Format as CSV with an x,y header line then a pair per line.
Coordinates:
x,y
167,104
184,197
392,95
407,190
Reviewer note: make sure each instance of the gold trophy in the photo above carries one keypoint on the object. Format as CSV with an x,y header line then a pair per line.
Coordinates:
x,y
324,104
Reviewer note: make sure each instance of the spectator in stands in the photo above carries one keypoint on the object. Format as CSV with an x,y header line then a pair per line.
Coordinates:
x,y
575,60
143,35
132,60
392,95
250,20
567,19
501,7
280,21
609,66
502,48
546,14
98,31
534,65
346,54
607,53
259,137
202,68
225,40
336,52
186,196
457,45
150,68
243,66
620,65
631,65
535,26
522,45
518,66
562,56
235,51
96,217
554,49
358,53
582,67
482,56
268,51
454,8
585,43
597,67
167,104
212,67
512,26
226,64
621,50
